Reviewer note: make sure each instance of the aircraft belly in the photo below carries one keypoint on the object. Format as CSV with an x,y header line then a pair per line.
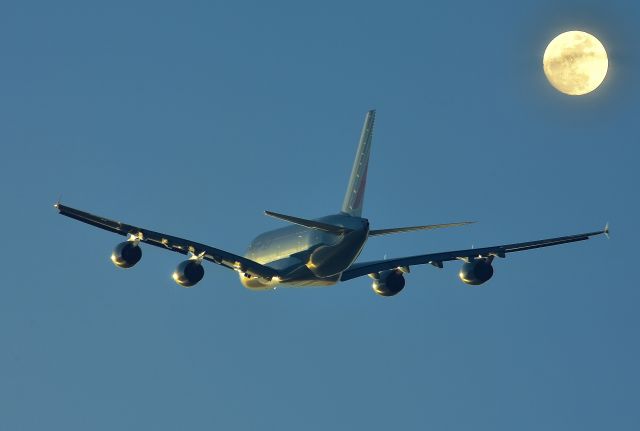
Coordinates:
x,y
299,277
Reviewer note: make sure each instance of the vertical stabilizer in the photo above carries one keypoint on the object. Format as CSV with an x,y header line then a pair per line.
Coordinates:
x,y
354,197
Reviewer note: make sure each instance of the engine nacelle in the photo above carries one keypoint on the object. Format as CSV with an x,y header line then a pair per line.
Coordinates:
x,y
188,273
126,254
476,272
389,283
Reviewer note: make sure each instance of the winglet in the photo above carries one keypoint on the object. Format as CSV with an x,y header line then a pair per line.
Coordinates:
x,y
57,204
606,230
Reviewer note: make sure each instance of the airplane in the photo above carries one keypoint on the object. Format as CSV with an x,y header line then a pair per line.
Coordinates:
x,y
314,252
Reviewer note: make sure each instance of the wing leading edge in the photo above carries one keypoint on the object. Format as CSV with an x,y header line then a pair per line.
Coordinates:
x,y
437,259
172,243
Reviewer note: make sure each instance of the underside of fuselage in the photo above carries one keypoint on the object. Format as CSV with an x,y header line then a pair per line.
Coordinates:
x,y
305,256
311,280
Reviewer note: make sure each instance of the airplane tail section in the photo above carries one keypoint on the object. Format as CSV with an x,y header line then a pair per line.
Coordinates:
x,y
354,197
311,224
378,232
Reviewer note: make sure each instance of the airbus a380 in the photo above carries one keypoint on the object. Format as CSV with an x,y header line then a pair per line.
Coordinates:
x,y
317,252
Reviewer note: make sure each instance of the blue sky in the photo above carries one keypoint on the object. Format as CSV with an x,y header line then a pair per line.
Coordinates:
x,y
194,117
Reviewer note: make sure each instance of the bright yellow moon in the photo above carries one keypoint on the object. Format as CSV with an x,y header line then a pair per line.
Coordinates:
x,y
575,63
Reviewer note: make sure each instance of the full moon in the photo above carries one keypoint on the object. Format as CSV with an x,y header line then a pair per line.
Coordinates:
x,y
575,63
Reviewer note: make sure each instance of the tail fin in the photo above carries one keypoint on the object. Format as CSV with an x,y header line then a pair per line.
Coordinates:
x,y
354,197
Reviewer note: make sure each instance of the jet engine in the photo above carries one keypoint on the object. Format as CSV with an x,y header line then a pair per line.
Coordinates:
x,y
188,273
476,271
126,254
388,283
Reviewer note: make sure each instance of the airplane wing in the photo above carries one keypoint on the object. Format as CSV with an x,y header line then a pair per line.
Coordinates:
x,y
437,259
179,245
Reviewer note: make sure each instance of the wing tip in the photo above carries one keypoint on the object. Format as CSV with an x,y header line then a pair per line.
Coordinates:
x,y
606,230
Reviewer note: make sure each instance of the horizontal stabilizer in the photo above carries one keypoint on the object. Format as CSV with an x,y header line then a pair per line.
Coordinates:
x,y
311,224
380,232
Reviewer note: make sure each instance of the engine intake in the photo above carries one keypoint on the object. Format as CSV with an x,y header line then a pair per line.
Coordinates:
x,y
126,254
188,273
476,272
388,283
